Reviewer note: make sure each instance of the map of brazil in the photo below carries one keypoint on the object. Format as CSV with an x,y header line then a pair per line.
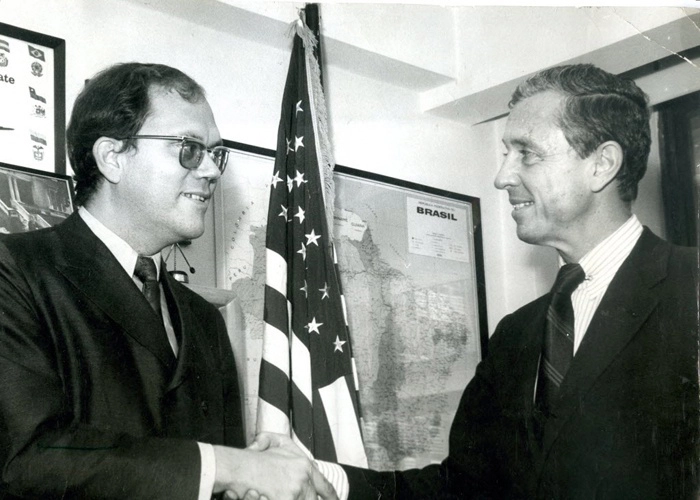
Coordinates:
x,y
406,259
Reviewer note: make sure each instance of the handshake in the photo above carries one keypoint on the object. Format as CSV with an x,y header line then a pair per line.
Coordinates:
x,y
271,468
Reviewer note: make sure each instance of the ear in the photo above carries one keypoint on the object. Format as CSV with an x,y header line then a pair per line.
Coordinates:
x,y
608,160
108,156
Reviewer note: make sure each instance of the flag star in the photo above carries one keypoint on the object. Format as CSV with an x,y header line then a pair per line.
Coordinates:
x,y
338,344
283,213
313,326
289,146
298,142
290,183
325,291
312,237
299,179
275,179
302,251
298,108
305,289
300,214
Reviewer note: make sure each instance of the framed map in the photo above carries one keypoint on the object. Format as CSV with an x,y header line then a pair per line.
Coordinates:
x,y
411,267
32,100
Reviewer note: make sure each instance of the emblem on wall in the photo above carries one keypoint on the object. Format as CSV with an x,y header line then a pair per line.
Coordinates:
x,y
4,47
37,69
39,111
38,152
37,137
36,96
36,53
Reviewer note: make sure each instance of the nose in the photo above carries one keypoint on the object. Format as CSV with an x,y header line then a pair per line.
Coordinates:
x,y
207,169
507,175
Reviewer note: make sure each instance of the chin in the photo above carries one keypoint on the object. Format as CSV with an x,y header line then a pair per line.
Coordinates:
x,y
191,232
530,236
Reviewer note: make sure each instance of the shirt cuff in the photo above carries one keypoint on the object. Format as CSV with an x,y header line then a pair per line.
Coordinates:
x,y
335,475
208,471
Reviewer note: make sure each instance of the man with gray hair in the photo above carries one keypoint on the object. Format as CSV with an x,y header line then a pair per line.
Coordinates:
x,y
590,391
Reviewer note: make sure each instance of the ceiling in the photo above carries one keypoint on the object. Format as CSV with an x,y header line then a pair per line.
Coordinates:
x,y
463,61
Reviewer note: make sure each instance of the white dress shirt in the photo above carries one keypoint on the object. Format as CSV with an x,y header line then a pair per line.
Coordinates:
x,y
127,256
600,265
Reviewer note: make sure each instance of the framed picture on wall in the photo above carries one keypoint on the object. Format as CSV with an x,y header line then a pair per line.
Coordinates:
x,y
31,199
411,266
32,100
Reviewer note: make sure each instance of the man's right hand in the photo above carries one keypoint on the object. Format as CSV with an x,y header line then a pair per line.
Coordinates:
x,y
275,473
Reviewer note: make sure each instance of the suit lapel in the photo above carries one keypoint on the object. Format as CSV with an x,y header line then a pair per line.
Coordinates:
x,y
627,303
532,336
92,269
192,350
181,317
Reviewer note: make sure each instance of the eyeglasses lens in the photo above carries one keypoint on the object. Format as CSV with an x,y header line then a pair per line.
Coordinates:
x,y
220,157
192,154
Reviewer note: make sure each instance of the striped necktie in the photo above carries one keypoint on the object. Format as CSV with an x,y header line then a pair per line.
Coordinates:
x,y
145,271
558,349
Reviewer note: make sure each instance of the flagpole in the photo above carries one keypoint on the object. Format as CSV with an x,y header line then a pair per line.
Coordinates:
x,y
313,22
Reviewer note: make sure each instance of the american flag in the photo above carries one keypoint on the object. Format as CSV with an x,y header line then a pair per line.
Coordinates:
x,y
308,387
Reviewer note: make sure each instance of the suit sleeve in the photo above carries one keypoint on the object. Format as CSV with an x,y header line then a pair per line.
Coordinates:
x,y
43,453
471,469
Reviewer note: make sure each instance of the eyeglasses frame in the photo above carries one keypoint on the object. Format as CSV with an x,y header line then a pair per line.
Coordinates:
x,y
182,139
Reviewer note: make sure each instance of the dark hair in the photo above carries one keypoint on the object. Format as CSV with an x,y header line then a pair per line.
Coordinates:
x,y
115,103
599,107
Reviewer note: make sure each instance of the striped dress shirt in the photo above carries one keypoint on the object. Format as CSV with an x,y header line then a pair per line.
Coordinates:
x,y
600,265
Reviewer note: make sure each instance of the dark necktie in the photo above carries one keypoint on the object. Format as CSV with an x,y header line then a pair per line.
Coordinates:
x,y
558,350
146,272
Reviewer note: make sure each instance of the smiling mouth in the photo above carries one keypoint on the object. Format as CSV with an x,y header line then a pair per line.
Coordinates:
x,y
520,206
196,197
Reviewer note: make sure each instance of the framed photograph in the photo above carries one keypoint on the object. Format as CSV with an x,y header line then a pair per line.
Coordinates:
x,y
32,199
32,100
412,271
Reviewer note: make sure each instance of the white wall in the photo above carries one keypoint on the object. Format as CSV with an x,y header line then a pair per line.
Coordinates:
x,y
375,126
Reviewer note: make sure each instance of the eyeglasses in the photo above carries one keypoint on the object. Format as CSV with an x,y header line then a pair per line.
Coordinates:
x,y
192,151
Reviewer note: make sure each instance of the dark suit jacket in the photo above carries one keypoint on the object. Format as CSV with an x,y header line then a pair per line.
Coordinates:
x,y
626,425
93,403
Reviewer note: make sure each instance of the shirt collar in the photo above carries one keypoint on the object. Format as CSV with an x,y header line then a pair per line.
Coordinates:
x,y
602,262
122,251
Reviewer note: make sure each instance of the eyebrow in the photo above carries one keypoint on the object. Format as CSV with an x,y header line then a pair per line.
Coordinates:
x,y
195,135
522,143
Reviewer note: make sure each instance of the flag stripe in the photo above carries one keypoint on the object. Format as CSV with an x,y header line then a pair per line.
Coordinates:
x,y
301,373
303,421
276,309
354,375
271,418
276,392
276,271
339,408
275,348
301,445
324,444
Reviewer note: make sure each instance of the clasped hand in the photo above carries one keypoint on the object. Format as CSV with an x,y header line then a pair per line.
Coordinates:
x,y
272,468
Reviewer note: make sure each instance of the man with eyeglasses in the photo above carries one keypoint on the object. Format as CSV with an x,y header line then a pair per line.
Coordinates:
x,y
117,381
